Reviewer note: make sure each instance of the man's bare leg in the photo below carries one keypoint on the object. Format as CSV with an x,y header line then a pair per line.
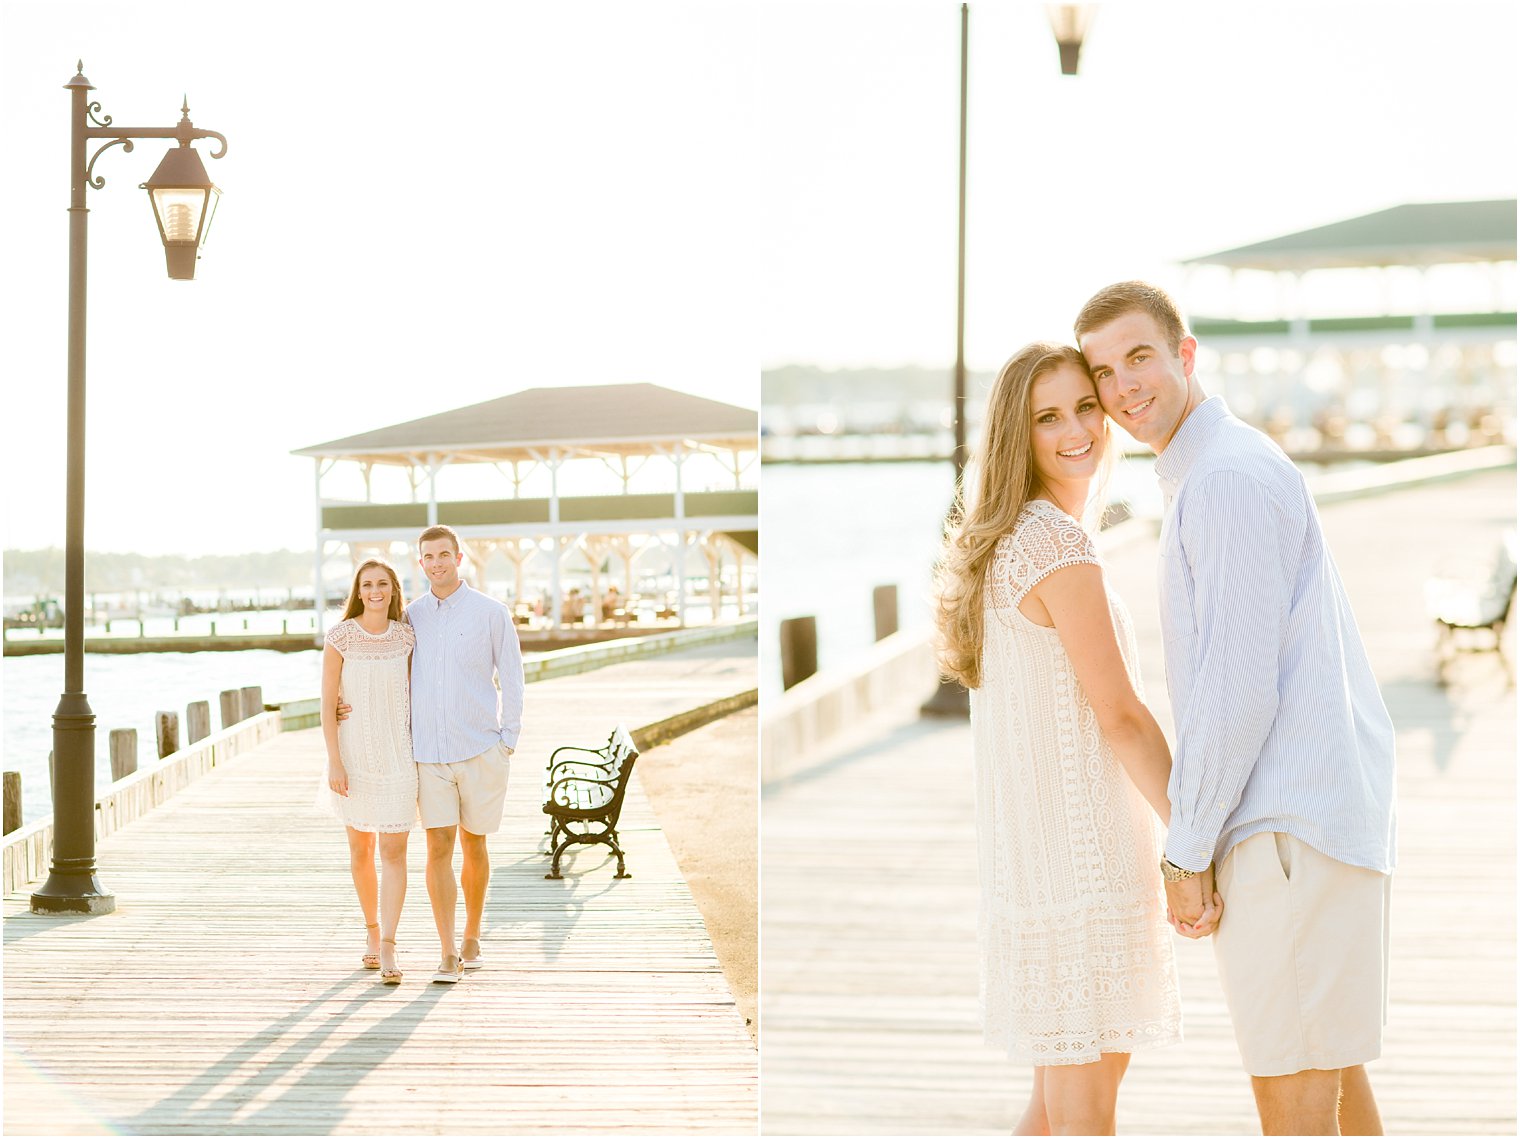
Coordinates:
x,y
442,891
1033,1121
1359,1110
1301,1104
473,879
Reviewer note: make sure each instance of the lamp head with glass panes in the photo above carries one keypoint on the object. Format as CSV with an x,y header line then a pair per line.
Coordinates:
x,y
184,201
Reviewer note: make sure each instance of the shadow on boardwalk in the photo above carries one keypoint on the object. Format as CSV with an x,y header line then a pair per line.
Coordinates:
x,y
870,890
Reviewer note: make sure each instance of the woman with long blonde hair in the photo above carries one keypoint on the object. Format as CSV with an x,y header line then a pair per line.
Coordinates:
x,y
1077,970
371,782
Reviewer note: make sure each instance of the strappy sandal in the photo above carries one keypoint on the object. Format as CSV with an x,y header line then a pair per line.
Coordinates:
x,y
371,960
390,976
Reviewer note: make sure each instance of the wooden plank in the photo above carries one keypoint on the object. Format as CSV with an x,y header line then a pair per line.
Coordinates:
x,y
869,890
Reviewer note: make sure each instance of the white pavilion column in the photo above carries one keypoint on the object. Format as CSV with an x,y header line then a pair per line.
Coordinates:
x,y
316,577
555,587
679,457
433,467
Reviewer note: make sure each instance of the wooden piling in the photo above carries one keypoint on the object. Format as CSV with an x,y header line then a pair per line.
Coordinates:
x,y
799,649
123,752
232,706
884,606
197,722
253,702
166,732
12,801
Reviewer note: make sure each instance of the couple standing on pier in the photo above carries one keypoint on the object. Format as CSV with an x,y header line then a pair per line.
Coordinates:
x,y
1282,778
416,726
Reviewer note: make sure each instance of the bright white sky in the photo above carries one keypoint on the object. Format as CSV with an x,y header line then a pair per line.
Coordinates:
x,y
429,206
425,206
1191,128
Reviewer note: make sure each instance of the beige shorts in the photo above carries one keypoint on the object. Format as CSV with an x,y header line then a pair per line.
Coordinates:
x,y
1303,956
469,793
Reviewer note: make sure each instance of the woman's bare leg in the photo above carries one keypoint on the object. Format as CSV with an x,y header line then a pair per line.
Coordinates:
x,y
361,864
1033,1121
1080,1098
392,892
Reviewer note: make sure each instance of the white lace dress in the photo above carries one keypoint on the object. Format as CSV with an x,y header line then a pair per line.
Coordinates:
x,y
1076,951
375,741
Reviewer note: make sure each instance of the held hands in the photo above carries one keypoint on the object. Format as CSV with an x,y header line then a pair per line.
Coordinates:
x,y
337,779
1193,907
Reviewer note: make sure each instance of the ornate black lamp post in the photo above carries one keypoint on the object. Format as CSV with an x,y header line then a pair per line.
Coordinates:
x,y
1069,23
183,199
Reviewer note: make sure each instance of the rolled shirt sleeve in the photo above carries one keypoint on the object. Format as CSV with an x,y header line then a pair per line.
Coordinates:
x,y
1237,545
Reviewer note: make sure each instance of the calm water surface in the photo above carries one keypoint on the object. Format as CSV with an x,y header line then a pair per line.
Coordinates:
x,y
126,692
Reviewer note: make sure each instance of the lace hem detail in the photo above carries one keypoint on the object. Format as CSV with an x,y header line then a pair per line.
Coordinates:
x,y
1084,1048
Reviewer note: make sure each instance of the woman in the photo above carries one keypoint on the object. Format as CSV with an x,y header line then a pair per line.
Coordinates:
x,y
1077,969
371,778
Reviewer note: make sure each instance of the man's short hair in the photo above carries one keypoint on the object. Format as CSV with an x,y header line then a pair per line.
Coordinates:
x,y
1108,305
433,533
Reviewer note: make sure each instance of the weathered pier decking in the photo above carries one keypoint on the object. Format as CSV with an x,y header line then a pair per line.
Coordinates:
x,y
869,969
224,995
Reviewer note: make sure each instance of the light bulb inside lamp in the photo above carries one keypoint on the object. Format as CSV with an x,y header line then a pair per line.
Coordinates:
x,y
179,222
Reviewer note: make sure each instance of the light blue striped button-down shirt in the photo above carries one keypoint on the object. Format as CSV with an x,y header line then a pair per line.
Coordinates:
x,y
1280,725
462,641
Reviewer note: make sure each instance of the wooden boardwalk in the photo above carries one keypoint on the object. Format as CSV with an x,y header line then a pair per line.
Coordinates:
x,y
869,960
224,995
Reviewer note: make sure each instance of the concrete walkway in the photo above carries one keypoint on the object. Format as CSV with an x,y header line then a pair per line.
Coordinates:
x,y
869,898
224,995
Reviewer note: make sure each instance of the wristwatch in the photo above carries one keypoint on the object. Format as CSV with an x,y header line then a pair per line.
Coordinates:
x,y
1173,873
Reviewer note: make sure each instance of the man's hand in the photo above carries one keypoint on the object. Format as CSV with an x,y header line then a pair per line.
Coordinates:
x,y
1193,907
343,711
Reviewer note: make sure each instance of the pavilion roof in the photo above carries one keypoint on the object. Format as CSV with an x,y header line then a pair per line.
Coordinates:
x,y
1427,233
621,419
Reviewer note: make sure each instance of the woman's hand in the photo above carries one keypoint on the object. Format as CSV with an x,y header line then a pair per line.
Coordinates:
x,y
337,779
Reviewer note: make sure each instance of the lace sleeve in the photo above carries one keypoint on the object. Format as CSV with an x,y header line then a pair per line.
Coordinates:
x,y
408,634
1046,540
337,637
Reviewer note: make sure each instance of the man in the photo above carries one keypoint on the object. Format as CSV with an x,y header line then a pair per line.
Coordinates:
x,y
464,732
1282,776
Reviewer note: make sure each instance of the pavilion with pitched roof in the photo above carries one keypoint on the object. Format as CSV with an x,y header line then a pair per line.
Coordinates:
x,y
612,471
1404,314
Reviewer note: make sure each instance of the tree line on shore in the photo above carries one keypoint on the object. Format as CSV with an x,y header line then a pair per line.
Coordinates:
x,y
41,571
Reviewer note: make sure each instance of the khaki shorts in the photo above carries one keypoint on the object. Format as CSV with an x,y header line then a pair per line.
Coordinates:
x,y
469,794
1303,956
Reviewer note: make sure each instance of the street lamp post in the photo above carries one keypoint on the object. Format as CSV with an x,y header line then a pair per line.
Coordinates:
x,y
1069,24
72,885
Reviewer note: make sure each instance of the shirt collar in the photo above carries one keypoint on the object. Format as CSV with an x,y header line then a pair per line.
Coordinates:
x,y
1191,438
440,602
